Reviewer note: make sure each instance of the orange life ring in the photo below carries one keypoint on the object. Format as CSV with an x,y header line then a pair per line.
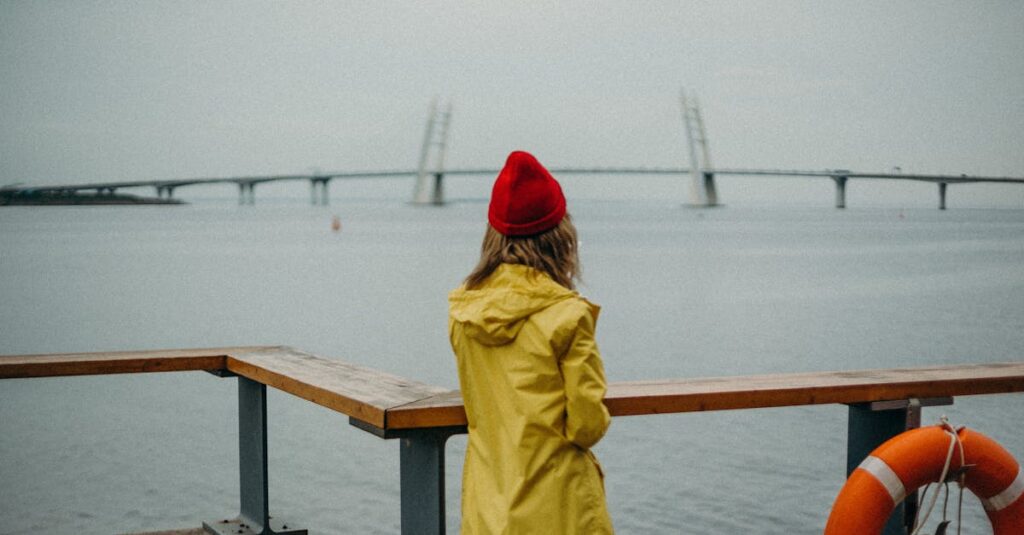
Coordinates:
x,y
917,457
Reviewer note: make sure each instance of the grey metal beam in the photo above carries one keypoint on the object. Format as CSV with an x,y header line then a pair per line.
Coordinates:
x,y
254,517
422,480
866,430
869,426
252,450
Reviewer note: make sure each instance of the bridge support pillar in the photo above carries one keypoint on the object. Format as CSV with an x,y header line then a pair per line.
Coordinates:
x,y
942,195
164,191
319,197
254,518
840,191
246,193
437,195
710,193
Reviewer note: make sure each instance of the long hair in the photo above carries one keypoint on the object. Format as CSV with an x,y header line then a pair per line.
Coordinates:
x,y
553,252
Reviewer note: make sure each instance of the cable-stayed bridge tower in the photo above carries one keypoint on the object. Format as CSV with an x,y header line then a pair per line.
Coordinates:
x,y
702,176
430,173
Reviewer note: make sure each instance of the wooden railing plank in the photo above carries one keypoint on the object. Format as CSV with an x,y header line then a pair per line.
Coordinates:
x,y
359,392
55,365
778,390
362,393
442,410
761,391
390,402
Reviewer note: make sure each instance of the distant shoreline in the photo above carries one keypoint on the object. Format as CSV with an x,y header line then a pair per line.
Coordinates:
x,y
23,198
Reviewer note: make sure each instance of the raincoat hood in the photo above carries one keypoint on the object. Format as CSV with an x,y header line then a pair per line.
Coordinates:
x,y
493,313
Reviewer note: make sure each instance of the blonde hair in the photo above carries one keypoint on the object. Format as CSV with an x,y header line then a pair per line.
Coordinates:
x,y
553,252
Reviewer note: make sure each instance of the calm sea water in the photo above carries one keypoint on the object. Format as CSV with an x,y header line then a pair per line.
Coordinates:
x,y
686,293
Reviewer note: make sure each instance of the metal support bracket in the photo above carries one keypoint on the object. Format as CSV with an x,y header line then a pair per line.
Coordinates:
x,y
254,518
221,373
870,425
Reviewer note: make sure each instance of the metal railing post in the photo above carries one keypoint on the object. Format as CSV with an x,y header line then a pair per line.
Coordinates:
x,y
867,429
254,518
869,426
422,480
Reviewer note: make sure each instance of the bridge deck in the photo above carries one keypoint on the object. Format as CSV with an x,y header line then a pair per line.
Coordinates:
x,y
383,402
628,170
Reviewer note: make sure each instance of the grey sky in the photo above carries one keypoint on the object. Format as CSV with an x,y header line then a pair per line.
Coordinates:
x,y
129,90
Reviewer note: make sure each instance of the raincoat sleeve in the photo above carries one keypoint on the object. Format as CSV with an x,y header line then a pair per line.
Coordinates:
x,y
586,418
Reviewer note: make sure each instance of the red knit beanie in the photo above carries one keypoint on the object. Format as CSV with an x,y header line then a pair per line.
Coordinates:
x,y
526,199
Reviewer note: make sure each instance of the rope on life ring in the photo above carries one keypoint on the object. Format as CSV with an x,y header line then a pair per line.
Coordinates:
x,y
925,455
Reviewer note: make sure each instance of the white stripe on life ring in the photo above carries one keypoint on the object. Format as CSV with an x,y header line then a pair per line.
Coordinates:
x,y
1009,495
877,467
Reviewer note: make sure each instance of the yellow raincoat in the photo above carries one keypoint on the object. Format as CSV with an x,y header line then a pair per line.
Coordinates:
x,y
533,383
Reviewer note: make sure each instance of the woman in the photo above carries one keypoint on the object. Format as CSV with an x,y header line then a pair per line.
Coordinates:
x,y
530,372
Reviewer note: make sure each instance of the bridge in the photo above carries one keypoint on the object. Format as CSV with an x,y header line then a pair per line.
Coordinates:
x,y
320,182
429,175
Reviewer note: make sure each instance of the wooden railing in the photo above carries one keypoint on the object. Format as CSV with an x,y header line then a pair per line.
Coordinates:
x,y
882,404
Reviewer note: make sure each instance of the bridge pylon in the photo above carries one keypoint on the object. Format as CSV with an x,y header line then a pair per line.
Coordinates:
x,y
429,187
702,175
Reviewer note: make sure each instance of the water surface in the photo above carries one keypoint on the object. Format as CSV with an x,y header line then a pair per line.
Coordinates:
x,y
685,293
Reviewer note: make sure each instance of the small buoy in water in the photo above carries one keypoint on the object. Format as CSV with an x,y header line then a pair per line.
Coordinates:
x,y
335,224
